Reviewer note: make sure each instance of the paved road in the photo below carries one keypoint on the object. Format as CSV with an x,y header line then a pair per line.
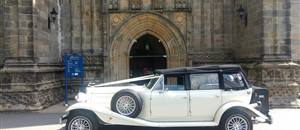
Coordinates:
x,y
284,119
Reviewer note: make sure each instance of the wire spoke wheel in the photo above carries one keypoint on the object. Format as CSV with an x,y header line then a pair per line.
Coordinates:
x,y
125,105
237,122
80,123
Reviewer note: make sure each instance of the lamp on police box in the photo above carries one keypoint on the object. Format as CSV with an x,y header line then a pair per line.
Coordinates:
x,y
52,17
242,13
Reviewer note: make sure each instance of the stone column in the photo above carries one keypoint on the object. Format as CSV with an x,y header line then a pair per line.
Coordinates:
x,y
18,33
76,25
295,31
30,81
11,28
277,70
86,24
97,41
2,50
276,30
265,48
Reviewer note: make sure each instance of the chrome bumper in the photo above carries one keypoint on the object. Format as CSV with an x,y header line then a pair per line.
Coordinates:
x,y
269,120
63,117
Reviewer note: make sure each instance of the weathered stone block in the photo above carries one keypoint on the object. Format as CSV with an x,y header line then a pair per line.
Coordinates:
x,y
30,100
281,79
26,87
26,2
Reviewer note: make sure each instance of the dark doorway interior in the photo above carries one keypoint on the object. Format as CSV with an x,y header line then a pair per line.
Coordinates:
x,y
146,55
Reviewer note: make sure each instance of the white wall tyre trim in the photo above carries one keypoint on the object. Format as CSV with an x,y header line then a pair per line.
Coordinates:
x,y
80,123
237,122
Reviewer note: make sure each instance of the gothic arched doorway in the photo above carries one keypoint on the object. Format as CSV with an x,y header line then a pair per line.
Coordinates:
x,y
117,63
146,55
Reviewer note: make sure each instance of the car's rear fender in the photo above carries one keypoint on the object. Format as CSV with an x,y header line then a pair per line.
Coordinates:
x,y
238,106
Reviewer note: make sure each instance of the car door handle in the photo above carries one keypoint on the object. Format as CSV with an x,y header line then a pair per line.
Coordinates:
x,y
248,92
184,97
217,96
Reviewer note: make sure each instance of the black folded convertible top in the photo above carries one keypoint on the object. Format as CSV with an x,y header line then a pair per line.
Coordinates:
x,y
207,68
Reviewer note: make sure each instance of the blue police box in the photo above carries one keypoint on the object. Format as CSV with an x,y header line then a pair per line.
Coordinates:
x,y
74,68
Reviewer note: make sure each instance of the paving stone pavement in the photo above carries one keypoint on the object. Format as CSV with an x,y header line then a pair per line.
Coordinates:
x,y
284,119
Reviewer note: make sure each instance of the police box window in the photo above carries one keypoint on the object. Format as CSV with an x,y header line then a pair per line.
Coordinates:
x,y
233,81
208,81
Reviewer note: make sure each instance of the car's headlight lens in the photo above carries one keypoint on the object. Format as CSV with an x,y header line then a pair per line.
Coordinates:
x,y
81,97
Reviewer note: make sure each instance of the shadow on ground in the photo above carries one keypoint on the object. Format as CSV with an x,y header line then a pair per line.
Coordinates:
x,y
144,128
14,120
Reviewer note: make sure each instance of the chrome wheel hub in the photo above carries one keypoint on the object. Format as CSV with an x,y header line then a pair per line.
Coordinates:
x,y
80,123
125,105
237,123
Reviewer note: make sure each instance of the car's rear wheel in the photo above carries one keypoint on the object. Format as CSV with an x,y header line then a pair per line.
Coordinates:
x,y
126,103
81,121
236,121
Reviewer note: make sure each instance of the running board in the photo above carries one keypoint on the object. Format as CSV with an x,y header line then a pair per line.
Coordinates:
x,y
117,119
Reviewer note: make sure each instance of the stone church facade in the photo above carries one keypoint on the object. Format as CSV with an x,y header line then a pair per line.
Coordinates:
x,y
125,38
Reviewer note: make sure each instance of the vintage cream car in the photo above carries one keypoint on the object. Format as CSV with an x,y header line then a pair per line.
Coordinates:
x,y
181,97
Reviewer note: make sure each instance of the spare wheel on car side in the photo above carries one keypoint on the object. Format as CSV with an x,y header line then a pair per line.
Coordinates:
x,y
127,102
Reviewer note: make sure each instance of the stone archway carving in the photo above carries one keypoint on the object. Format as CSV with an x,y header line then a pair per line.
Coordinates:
x,y
117,66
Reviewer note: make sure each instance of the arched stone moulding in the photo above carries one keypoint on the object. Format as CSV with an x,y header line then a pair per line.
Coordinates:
x,y
135,27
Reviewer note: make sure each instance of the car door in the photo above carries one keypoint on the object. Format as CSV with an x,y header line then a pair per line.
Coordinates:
x,y
169,99
205,96
235,88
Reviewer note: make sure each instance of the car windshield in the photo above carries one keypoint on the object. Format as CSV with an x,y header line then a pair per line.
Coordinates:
x,y
151,83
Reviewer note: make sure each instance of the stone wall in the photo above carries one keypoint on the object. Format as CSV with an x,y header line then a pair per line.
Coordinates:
x,y
32,76
277,50
195,32
276,30
1,33
87,35
281,79
248,31
211,29
28,88
46,45
295,30
18,31
276,67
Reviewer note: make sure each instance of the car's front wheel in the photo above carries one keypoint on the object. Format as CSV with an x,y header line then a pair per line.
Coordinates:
x,y
81,121
236,121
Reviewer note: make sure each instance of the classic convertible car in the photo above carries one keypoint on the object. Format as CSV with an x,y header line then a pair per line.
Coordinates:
x,y
181,97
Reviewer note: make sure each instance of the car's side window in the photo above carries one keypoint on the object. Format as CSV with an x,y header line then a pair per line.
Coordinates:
x,y
233,81
205,81
174,82
159,85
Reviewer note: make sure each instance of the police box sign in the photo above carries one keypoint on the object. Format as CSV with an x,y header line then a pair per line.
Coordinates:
x,y
73,65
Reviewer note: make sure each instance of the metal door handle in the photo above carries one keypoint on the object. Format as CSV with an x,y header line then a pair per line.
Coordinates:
x,y
217,96
248,92
185,97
